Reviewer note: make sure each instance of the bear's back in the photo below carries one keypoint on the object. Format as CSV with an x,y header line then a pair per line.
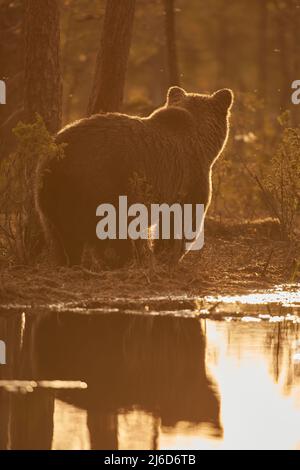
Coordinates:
x,y
99,128
155,148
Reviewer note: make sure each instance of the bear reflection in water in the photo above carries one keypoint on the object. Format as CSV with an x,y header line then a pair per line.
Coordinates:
x,y
154,364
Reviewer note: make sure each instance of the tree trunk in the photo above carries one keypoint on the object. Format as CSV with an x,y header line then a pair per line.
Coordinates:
x,y
42,84
11,71
172,61
11,57
262,52
284,64
223,47
262,60
296,53
109,80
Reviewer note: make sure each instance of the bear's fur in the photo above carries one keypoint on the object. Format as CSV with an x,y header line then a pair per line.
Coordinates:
x,y
173,150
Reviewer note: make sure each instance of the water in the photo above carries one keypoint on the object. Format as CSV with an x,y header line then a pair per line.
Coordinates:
x,y
214,373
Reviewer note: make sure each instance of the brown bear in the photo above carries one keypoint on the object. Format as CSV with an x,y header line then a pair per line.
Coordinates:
x,y
173,150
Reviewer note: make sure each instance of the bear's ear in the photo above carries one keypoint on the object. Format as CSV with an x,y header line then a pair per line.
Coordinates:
x,y
224,97
175,95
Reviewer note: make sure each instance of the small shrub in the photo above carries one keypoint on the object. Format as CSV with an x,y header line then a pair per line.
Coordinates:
x,y
283,180
20,234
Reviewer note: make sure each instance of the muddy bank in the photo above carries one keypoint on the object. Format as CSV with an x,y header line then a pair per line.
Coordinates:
x,y
235,259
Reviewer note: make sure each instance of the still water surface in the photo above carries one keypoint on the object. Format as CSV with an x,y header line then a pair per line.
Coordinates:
x,y
142,381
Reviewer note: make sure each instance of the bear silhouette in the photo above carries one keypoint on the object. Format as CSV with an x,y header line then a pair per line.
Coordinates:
x,y
170,153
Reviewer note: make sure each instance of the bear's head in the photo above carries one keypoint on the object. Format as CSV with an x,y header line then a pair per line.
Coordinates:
x,y
210,114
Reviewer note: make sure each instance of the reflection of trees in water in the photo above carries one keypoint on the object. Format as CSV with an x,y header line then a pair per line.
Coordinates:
x,y
272,341
280,342
154,364
103,429
10,333
26,418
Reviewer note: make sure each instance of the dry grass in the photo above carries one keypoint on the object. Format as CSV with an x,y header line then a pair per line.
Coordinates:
x,y
233,260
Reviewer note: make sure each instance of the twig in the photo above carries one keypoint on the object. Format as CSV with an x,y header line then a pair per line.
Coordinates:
x,y
262,188
267,263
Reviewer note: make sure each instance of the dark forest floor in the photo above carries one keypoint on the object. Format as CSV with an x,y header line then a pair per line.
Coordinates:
x,y
235,259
